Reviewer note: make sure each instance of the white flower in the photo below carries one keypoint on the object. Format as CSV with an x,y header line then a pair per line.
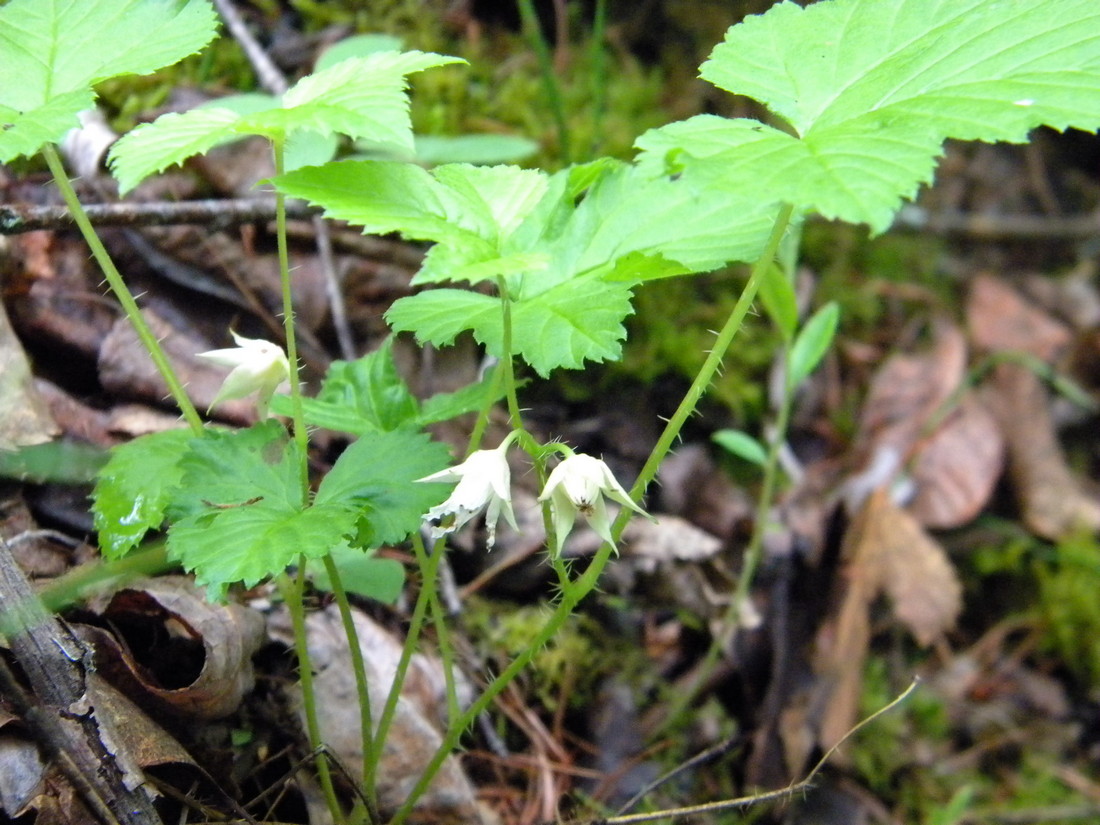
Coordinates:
x,y
484,482
578,485
258,367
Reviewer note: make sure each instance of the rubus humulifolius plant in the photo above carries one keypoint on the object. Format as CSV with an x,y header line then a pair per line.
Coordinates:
x,y
862,95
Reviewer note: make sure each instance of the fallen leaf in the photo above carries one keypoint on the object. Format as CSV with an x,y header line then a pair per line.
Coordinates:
x,y
885,550
200,662
957,467
1052,503
414,735
909,389
1000,320
24,417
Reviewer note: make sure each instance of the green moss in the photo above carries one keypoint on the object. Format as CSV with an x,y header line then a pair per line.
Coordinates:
x,y
672,331
571,665
1068,605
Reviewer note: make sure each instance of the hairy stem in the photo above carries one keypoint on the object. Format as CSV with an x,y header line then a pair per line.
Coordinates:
x,y
359,668
570,598
301,436
121,291
710,366
292,592
428,572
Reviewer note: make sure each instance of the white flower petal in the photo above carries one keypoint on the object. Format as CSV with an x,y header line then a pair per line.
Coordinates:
x,y
579,484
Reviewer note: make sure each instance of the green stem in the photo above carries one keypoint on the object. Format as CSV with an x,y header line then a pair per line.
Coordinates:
x,y
571,597
292,592
428,572
301,435
710,366
446,654
506,358
121,291
533,30
104,576
362,687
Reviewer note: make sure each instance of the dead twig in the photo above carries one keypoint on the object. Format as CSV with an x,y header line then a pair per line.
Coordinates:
x,y
69,728
16,219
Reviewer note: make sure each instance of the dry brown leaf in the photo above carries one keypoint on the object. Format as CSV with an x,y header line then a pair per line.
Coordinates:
x,y
917,575
24,417
1000,319
842,641
413,738
1052,502
909,389
885,550
201,667
956,469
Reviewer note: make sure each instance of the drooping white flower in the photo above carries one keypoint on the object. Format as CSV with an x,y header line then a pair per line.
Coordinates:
x,y
484,482
258,367
578,485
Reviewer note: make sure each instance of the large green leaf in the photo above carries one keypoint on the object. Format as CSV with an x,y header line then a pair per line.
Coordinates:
x,y
870,90
239,511
53,51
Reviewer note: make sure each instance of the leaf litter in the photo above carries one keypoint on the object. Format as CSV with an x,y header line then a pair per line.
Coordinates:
x,y
929,452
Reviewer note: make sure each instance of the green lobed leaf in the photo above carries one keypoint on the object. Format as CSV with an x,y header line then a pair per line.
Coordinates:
x,y
444,406
53,51
254,541
376,477
135,488
239,512
437,316
363,98
811,344
470,211
871,90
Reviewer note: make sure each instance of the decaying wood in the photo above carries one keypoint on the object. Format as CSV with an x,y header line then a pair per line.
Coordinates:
x,y
57,709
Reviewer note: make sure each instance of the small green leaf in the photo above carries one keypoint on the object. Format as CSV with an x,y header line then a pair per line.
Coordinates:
x,y
376,477
437,316
781,304
135,488
742,445
447,405
362,573
362,396
402,197
812,343
53,51
362,98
